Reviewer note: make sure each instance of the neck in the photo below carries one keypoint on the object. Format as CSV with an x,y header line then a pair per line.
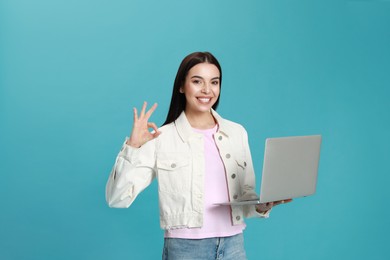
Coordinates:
x,y
203,120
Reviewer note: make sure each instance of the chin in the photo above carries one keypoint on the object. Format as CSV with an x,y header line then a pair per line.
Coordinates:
x,y
205,108
198,109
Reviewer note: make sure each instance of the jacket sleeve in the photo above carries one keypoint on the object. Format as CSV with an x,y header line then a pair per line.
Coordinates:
x,y
133,171
250,181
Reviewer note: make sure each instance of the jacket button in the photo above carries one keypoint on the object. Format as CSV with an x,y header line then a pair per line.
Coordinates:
x,y
238,218
235,196
233,175
173,165
228,155
245,164
219,138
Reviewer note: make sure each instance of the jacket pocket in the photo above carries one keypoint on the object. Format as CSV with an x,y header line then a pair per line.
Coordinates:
x,y
173,173
241,163
240,170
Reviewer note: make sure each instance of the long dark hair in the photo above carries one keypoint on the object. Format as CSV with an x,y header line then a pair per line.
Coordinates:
x,y
178,100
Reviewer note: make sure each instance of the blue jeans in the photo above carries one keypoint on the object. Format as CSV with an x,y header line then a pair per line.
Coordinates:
x,y
205,249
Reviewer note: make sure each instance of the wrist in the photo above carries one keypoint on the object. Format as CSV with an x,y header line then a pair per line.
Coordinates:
x,y
133,144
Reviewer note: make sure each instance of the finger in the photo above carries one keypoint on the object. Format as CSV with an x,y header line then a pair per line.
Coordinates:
x,y
282,201
285,201
153,125
135,114
278,202
151,110
156,134
267,206
143,109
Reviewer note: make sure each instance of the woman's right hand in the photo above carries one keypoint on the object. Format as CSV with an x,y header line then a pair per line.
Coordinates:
x,y
140,133
264,207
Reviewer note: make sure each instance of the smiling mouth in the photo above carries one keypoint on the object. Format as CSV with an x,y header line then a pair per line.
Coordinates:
x,y
204,100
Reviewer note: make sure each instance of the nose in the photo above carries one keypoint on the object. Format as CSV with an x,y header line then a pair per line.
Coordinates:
x,y
206,89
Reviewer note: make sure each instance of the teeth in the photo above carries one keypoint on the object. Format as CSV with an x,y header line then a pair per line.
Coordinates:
x,y
204,100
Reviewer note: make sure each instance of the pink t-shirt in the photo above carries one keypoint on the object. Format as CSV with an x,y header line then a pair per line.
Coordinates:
x,y
217,220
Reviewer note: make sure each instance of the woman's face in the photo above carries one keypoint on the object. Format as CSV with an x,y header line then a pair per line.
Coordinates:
x,y
201,88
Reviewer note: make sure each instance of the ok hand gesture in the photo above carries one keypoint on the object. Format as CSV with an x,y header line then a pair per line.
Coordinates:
x,y
140,133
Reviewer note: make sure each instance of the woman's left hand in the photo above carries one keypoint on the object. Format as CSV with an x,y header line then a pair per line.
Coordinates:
x,y
263,207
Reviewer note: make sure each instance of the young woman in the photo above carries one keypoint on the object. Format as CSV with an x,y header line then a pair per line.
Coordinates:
x,y
199,159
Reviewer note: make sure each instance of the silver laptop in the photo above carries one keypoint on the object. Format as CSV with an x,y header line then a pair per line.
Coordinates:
x,y
290,169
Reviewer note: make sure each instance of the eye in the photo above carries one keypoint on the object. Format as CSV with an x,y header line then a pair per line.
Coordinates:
x,y
197,81
215,82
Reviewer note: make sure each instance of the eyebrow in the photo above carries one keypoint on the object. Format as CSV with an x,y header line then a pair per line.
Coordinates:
x,y
203,78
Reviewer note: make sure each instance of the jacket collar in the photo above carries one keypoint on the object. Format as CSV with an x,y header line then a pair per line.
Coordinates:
x,y
185,129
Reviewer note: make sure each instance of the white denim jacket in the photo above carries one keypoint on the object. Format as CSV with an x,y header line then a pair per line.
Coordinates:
x,y
176,159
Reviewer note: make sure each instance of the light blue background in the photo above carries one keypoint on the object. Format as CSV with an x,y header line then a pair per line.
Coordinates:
x,y
71,71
